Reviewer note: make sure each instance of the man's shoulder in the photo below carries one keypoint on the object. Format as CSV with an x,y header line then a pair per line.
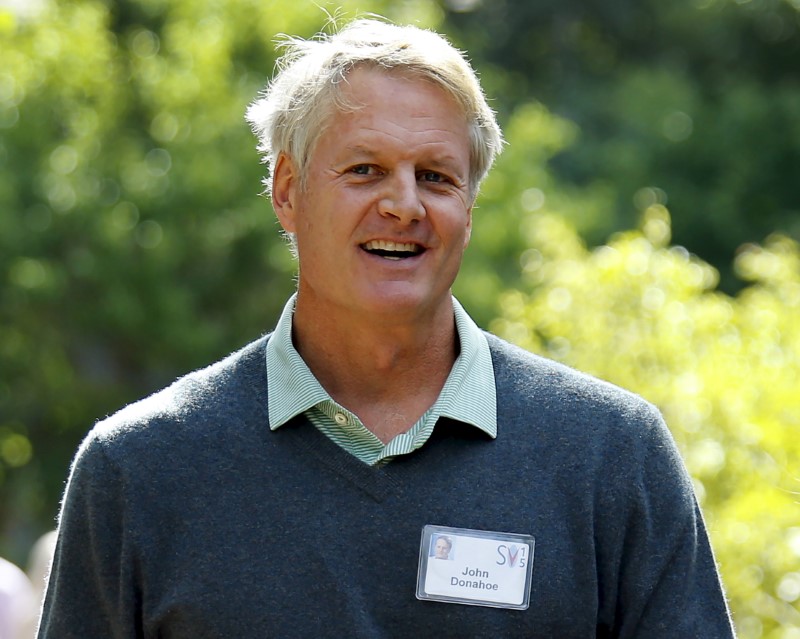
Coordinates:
x,y
227,390
519,366
547,408
531,382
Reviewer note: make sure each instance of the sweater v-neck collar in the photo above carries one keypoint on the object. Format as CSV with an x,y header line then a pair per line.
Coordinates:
x,y
377,481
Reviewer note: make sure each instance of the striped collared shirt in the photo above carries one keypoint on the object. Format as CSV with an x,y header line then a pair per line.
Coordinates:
x,y
468,394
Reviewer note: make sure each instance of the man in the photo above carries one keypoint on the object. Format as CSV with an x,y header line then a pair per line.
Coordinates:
x,y
442,548
377,415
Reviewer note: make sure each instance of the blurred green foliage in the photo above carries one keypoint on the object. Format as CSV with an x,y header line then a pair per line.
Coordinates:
x,y
698,100
134,245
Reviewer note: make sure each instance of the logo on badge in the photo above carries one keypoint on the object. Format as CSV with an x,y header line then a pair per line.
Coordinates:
x,y
511,555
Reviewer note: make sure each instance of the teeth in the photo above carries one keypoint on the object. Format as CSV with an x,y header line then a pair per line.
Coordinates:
x,y
384,245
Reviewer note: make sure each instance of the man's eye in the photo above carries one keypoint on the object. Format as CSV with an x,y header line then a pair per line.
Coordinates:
x,y
361,169
432,176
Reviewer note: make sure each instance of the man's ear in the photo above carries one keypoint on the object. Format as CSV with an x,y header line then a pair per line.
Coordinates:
x,y
285,185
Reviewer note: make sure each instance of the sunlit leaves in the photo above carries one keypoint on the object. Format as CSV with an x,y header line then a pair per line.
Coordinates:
x,y
724,370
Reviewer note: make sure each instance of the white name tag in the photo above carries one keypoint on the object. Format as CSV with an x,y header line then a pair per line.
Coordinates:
x,y
475,567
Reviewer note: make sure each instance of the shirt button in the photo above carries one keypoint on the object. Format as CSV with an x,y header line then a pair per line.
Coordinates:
x,y
340,418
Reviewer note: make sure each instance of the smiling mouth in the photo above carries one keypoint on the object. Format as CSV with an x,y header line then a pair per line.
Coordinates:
x,y
392,250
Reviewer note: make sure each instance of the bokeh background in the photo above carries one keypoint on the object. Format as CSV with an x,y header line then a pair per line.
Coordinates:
x,y
642,225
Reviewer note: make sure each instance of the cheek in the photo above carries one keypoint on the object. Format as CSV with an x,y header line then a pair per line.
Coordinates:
x,y
307,223
462,233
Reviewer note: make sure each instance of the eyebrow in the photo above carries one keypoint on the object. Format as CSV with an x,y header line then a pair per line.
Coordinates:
x,y
359,149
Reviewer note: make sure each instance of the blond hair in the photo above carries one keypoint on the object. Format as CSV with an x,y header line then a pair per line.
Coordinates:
x,y
291,113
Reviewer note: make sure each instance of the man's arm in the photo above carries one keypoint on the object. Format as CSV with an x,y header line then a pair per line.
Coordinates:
x,y
668,583
91,592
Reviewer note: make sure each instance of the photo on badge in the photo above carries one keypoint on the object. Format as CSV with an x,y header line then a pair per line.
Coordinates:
x,y
442,548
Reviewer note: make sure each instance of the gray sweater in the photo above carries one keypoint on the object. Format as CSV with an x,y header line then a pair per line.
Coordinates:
x,y
186,517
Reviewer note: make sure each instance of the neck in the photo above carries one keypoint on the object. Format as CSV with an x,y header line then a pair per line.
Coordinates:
x,y
386,370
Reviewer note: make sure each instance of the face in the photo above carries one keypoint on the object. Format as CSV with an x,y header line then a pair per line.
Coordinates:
x,y
385,215
442,548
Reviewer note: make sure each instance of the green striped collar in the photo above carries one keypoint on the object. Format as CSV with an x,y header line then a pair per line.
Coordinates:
x,y
468,394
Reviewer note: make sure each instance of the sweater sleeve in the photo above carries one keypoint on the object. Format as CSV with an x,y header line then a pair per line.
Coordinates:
x,y
668,583
92,592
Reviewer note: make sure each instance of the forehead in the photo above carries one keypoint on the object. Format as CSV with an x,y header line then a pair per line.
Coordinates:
x,y
364,83
380,108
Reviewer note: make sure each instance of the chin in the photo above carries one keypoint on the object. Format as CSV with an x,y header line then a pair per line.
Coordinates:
x,y
401,302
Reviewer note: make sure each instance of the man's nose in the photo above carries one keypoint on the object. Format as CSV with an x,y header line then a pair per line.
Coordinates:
x,y
401,198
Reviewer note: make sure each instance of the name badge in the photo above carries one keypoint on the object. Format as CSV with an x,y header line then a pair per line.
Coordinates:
x,y
475,567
